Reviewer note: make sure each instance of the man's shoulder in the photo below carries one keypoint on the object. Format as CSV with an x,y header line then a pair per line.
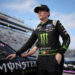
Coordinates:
x,y
54,22
36,26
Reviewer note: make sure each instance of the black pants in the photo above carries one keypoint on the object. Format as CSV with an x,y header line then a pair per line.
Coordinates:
x,y
45,72
47,65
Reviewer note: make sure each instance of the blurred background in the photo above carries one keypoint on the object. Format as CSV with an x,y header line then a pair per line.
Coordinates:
x,y
17,20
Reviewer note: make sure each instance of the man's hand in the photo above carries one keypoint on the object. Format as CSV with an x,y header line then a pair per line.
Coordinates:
x,y
11,56
58,57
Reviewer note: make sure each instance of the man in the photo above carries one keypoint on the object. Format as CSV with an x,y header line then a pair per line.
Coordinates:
x,y
51,52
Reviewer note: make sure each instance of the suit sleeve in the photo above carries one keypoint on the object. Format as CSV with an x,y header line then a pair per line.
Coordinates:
x,y
65,37
37,43
28,44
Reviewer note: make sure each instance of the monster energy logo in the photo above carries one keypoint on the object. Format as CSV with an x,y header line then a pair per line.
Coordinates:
x,y
44,38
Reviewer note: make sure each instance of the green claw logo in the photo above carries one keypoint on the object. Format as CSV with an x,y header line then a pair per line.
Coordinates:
x,y
44,38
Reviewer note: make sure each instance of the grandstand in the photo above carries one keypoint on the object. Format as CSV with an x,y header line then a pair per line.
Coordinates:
x,y
13,31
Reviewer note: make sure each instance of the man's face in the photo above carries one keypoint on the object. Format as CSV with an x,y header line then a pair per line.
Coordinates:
x,y
43,14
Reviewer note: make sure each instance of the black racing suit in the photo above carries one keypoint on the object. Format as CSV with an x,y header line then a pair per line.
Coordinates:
x,y
49,45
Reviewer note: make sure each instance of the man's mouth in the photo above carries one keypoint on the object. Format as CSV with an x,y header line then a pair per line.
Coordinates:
x,y
41,15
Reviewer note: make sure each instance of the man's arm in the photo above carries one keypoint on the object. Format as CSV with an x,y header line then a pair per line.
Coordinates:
x,y
32,51
65,36
28,44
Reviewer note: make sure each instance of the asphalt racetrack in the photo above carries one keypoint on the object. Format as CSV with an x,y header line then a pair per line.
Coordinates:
x,y
67,74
